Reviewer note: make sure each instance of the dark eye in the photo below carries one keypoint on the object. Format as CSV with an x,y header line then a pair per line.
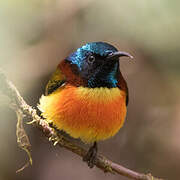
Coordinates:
x,y
91,59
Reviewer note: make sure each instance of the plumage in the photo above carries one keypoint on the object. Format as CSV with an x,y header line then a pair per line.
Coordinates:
x,y
91,114
87,95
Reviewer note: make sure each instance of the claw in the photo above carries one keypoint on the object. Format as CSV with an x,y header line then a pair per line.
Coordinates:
x,y
50,138
31,122
55,140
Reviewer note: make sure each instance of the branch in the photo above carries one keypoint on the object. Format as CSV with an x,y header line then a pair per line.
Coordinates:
x,y
19,105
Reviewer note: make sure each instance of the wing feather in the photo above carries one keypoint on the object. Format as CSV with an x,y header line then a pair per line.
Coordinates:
x,y
57,80
123,86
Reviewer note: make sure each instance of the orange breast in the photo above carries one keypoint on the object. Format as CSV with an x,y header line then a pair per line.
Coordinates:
x,y
91,114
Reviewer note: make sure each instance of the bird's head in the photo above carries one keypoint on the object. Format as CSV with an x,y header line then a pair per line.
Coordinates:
x,y
97,63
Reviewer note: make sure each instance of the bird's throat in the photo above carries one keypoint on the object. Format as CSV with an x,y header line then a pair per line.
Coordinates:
x,y
105,77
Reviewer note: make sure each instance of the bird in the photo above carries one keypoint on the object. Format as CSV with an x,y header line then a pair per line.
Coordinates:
x,y
87,95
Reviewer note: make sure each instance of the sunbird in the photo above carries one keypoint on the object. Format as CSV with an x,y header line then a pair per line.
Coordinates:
x,y
87,96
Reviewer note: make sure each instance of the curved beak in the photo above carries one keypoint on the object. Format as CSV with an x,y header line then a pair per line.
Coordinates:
x,y
118,54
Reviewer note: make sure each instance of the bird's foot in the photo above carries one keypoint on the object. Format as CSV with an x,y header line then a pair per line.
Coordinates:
x,y
32,122
55,139
91,155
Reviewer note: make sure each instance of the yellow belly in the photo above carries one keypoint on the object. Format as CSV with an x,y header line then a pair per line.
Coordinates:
x,y
91,114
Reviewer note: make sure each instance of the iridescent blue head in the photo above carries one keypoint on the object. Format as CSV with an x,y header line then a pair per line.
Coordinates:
x,y
97,63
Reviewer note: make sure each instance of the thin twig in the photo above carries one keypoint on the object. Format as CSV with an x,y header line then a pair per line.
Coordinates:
x,y
54,136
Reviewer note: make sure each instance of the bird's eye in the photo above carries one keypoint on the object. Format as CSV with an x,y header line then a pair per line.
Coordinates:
x,y
91,59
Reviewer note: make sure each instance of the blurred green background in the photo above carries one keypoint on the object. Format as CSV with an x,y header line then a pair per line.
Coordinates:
x,y
35,35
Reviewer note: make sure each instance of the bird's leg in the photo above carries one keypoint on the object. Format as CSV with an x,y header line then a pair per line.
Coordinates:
x,y
91,155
